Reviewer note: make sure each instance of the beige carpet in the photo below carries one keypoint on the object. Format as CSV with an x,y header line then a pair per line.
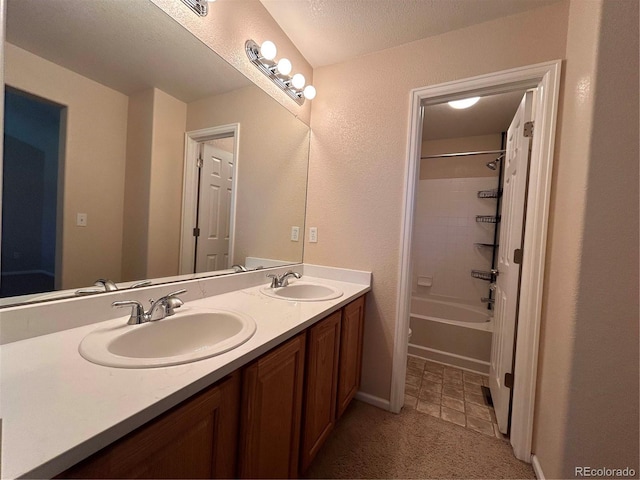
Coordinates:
x,y
371,443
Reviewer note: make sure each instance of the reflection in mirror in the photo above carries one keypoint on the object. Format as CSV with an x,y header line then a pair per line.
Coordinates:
x,y
111,106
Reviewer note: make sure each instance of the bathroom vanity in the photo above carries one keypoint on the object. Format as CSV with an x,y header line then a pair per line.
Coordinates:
x,y
262,409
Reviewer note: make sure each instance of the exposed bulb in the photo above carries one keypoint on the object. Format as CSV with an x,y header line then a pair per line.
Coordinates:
x,y
284,66
298,81
464,103
268,50
309,92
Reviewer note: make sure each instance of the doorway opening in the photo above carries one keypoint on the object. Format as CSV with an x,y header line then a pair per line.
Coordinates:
x,y
209,200
543,80
32,194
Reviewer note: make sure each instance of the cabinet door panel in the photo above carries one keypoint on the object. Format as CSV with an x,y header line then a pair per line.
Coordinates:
x,y
271,412
350,353
196,439
323,344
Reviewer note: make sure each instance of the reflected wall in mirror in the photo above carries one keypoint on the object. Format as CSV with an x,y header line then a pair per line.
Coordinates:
x,y
123,85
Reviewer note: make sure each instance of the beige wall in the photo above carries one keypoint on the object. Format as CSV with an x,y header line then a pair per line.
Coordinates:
x,y
458,167
358,151
94,168
229,24
587,397
271,170
137,186
167,165
153,197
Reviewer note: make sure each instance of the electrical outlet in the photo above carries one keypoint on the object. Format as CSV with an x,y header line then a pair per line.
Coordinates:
x,y
295,234
81,220
313,234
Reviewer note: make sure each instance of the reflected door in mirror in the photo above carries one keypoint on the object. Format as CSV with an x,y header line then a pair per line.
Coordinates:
x,y
214,208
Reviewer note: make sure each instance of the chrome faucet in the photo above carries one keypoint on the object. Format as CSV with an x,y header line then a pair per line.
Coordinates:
x,y
165,305
282,280
239,268
108,286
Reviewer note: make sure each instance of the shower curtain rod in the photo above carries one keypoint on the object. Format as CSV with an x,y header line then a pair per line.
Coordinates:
x,y
462,154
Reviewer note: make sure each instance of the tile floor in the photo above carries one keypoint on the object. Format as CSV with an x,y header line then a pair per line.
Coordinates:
x,y
451,394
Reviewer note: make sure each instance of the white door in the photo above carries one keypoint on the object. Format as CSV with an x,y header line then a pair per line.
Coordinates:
x,y
214,209
515,171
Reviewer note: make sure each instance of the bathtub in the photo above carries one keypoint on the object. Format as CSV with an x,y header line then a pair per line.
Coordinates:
x,y
451,333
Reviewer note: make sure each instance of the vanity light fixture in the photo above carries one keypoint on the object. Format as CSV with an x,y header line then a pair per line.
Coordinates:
x,y
264,57
200,7
464,103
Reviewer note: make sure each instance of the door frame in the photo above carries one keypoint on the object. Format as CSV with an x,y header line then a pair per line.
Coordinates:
x,y
190,190
545,78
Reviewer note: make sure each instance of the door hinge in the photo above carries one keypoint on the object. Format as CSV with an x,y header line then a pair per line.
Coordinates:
x,y
199,162
508,380
517,256
196,232
528,129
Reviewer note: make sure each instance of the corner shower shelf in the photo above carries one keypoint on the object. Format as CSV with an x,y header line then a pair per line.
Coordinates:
x,y
495,193
487,219
482,275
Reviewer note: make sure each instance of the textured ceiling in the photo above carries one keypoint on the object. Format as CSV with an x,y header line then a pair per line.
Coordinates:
x,y
124,44
332,31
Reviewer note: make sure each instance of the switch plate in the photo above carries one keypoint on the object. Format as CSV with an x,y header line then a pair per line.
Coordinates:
x,y
313,234
81,220
295,234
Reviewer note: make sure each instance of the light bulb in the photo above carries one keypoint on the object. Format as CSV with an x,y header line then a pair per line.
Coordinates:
x,y
464,103
309,92
284,66
298,81
268,50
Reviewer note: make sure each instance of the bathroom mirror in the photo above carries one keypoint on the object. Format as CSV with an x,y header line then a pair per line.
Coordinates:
x,y
104,96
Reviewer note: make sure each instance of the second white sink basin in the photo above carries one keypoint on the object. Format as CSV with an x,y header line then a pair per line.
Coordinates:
x,y
189,335
303,292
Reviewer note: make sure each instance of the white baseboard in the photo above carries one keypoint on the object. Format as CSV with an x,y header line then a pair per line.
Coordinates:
x,y
373,400
537,468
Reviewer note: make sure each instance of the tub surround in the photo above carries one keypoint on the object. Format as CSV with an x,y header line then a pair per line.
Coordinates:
x,y
59,408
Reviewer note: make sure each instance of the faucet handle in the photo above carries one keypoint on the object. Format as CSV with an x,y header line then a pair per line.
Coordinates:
x,y
177,292
275,281
142,283
137,311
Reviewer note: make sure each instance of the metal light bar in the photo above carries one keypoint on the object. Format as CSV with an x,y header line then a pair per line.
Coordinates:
x,y
268,67
200,7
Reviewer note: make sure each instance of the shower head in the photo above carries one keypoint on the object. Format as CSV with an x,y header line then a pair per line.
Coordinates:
x,y
494,163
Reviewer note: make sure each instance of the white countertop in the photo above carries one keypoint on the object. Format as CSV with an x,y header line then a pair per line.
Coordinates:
x,y
58,408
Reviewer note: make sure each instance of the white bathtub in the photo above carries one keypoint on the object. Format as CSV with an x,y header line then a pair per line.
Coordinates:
x,y
451,333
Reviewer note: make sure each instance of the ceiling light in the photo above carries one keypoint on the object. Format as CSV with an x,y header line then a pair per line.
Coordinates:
x,y
309,92
263,57
268,50
298,81
464,103
284,66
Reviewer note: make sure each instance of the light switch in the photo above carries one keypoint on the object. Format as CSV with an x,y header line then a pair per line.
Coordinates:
x,y
295,234
81,220
313,234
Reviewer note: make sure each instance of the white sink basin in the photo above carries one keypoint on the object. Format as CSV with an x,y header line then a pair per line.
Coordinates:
x,y
303,292
190,335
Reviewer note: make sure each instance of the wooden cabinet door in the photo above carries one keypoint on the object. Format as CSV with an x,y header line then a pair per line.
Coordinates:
x,y
350,353
271,412
196,439
323,344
